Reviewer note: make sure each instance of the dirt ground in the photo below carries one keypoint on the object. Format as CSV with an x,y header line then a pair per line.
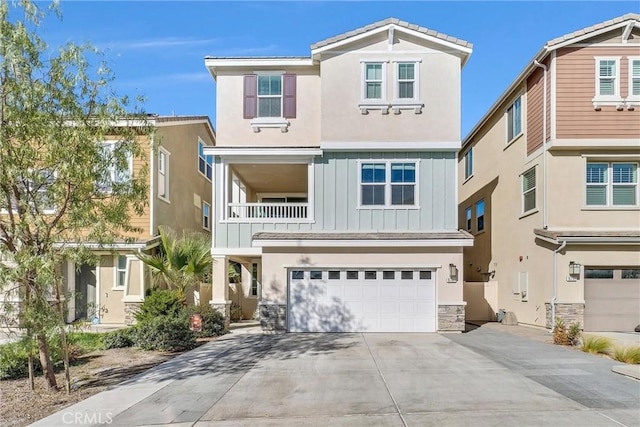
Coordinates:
x,y
90,374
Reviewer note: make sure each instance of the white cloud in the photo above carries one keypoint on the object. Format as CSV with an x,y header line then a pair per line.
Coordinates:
x,y
157,43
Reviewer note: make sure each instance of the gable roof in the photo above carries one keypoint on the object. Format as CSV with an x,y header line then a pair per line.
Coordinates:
x,y
388,21
628,21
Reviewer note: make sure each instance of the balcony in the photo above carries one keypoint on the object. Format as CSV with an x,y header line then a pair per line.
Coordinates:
x,y
268,211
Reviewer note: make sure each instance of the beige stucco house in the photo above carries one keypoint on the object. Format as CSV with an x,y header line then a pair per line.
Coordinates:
x,y
335,182
548,185
179,197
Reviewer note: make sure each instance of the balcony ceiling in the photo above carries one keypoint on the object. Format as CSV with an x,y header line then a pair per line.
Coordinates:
x,y
273,178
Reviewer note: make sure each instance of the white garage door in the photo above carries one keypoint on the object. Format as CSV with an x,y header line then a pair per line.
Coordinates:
x,y
362,300
612,298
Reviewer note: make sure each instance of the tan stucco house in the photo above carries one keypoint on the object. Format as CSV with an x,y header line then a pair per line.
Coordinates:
x,y
548,185
180,177
335,182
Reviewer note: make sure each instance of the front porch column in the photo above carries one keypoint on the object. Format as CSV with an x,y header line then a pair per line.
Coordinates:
x,y
220,292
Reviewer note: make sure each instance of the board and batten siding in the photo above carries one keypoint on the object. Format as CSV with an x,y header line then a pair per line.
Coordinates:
x,y
336,200
575,88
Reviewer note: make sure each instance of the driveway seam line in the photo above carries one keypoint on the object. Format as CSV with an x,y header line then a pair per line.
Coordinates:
x,y
393,399
609,418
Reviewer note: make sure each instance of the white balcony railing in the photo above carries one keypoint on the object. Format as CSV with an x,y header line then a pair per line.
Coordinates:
x,y
267,211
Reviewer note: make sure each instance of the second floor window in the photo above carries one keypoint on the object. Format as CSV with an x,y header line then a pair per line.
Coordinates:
x,y
373,81
388,184
480,216
514,120
206,216
205,163
607,78
118,170
467,215
468,163
406,80
529,190
269,96
163,174
612,184
634,78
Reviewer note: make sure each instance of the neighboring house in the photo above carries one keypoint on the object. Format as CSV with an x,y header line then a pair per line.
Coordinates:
x,y
335,178
179,197
549,186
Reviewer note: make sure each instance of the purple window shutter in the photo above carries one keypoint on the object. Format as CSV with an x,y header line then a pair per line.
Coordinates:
x,y
289,95
250,96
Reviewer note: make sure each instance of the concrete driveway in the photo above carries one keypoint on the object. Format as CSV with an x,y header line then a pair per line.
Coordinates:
x,y
482,378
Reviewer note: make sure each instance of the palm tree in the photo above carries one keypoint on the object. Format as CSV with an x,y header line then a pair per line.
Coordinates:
x,y
182,262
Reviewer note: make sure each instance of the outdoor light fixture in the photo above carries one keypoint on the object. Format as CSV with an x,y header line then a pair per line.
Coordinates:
x,y
574,268
453,273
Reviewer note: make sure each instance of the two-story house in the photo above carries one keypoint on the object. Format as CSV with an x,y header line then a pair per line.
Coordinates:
x,y
549,185
179,197
335,182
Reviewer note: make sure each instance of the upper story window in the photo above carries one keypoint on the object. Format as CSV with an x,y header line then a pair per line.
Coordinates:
x,y
373,81
118,171
529,190
514,120
206,216
163,174
634,80
205,163
480,216
612,184
607,82
388,184
269,97
468,163
407,80
467,216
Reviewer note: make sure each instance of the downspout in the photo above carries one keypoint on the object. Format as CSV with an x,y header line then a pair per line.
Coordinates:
x,y
555,283
545,224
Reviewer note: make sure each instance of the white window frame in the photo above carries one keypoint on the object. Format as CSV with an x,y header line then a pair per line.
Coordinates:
x,y
255,280
632,99
415,81
388,184
117,270
468,163
113,173
206,219
258,96
468,219
506,113
484,215
163,173
615,99
204,158
524,192
381,103
609,185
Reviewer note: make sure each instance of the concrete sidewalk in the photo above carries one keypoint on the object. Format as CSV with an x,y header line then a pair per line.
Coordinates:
x,y
480,378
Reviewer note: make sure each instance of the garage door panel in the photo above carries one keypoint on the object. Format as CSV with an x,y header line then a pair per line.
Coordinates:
x,y
611,304
369,303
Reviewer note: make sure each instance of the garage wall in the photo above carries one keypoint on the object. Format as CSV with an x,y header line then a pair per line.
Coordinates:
x,y
274,266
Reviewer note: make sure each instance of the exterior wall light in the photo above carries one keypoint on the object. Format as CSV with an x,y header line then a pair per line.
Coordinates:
x,y
574,268
453,273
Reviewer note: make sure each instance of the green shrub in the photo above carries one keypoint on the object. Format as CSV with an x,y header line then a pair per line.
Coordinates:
x,y
213,323
14,360
119,338
235,312
84,342
165,333
626,354
160,302
574,333
595,344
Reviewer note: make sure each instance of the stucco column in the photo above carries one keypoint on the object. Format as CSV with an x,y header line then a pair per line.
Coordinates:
x,y
220,292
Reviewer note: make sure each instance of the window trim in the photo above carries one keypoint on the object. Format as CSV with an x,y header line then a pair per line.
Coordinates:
x,y
506,113
416,83
483,216
607,100
164,174
609,185
112,169
255,282
117,270
206,226
468,218
206,162
468,164
631,98
266,119
388,184
524,192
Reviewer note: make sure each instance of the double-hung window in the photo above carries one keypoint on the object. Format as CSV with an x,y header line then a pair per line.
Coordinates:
x,y
206,216
118,168
468,163
529,190
467,215
480,216
205,163
407,80
388,184
254,280
634,81
607,84
163,174
269,95
374,81
612,184
514,120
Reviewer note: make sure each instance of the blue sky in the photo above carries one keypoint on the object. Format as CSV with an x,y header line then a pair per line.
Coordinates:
x,y
157,48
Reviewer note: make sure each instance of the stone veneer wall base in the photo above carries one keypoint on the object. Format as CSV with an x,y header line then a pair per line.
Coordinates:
x,y
224,308
130,311
569,313
451,318
273,317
